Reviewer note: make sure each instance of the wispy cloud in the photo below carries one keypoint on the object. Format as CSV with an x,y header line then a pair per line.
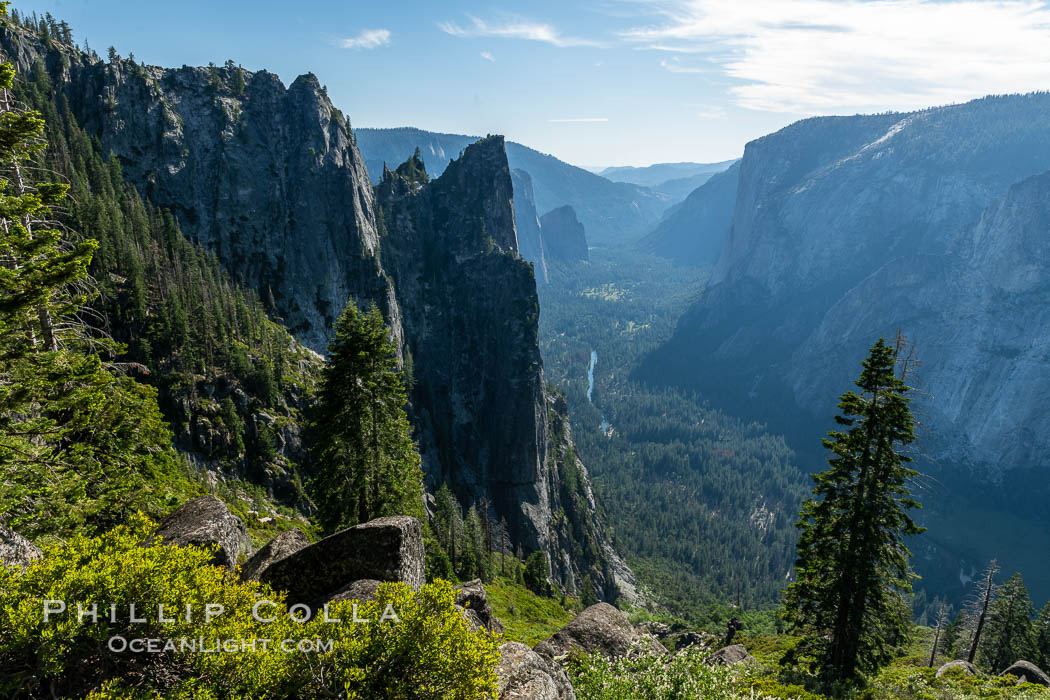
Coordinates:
x,y
712,113
514,29
367,39
488,56
579,120
824,56
675,65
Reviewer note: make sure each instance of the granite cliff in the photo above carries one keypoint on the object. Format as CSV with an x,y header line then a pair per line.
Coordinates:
x,y
850,228
564,238
271,180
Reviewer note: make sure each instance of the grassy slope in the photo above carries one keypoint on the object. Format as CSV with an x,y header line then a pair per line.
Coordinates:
x,y
527,617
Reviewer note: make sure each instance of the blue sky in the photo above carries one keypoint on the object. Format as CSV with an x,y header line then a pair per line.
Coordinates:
x,y
599,82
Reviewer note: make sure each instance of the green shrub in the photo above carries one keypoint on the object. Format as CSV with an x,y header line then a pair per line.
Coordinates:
x,y
429,650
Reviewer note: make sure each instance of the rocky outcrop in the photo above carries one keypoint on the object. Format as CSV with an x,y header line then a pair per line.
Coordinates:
x,y
207,522
600,628
563,236
16,550
694,639
1027,672
472,596
525,675
363,591
281,546
384,549
964,667
470,312
527,222
729,656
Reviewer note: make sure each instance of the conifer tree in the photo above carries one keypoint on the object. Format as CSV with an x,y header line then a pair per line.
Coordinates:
x,y
79,440
952,633
1009,628
368,465
852,566
1041,633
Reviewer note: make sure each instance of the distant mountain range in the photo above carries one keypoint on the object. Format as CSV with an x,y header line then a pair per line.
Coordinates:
x,y
611,212
658,174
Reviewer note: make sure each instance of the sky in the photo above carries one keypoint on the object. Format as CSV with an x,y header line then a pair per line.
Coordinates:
x,y
598,82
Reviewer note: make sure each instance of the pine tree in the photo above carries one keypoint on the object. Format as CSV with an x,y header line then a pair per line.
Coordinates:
x,y
852,564
368,465
502,536
1041,633
473,538
79,440
537,573
952,632
1009,631
587,595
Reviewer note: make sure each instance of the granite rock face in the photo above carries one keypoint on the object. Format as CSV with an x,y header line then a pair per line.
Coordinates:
x,y
384,549
207,521
978,314
16,550
611,211
729,656
268,177
563,235
472,596
692,232
848,228
281,546
601,628
362,590
527,222
525,675
1027,672
470,312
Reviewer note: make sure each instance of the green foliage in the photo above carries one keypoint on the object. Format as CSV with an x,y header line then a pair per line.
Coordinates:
x,y
537,573
81,445
905,682
1008,635
587,596
464,540
700,504
413,169
682,676
429,647
368,465
526,617
1041,632
852,563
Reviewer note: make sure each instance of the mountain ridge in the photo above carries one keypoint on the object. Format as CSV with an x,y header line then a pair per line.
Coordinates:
x,y
611,212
